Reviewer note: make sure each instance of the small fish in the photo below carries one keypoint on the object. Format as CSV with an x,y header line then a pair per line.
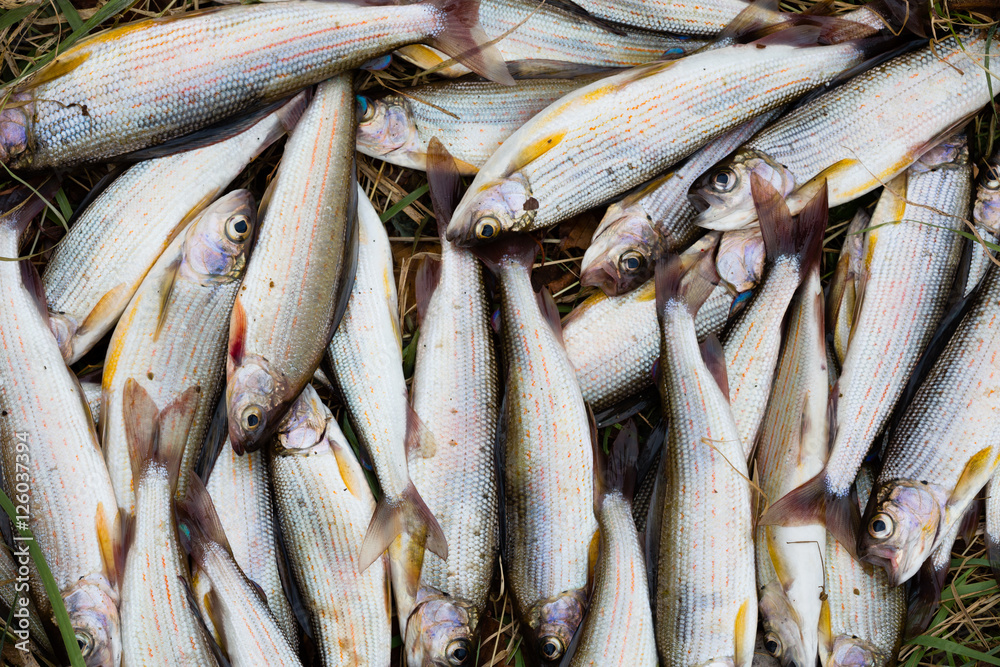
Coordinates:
x,y
365,361
986,216
843,295
297,282
612,135
240,487
471,118
856,137
548,474
654,220
239,608
49,443
752,341
158,625
456,395
706,599
910,260
528,31
944,450
618,628
861,624
792,449
614,342
128,226
173,333
128,88
324,503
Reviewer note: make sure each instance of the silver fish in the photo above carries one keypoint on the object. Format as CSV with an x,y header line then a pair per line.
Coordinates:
x,y
456,396
324,504
844,286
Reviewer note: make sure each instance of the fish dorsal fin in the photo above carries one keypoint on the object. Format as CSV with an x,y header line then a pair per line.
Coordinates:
x,y
715,359
550,312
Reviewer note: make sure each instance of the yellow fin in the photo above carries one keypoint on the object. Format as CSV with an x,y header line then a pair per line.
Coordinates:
x,y
357,487
974,477
825,624
108,308
813,186
645,71
776,562
536,150
166,287
743,641
422,56
105,540
594,554
59,67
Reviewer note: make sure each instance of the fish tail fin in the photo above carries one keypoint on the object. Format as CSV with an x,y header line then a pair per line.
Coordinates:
x,y
444,181
199,522
157,436
810,229
519,248
464,39
407,513
693,287
813,502
616,472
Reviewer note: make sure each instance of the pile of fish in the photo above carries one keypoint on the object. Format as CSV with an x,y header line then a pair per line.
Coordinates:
x,y
820,443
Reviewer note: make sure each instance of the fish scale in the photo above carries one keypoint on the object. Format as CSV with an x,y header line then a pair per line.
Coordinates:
x,y
150,81
705,580
863,132
911,267
701,17
612,135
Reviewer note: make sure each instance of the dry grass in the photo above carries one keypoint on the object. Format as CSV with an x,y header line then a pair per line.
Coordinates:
x,y
969,620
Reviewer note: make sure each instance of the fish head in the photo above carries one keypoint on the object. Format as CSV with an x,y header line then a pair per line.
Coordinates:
x,y
854,652
15,139
92,605
441,631
256,397
553,623
386,127
740,259
986,212
619,258
900,530
218,242
722,195
497,207
783,638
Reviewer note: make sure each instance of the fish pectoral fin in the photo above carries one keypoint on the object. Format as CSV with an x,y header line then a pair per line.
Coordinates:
x,y
192,602
744,633
107,309
974,477
56,69
535,150
106,541
122,536
825,179
550,311
166,287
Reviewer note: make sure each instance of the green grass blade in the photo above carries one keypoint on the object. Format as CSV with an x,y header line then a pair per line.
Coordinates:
x,y
58,608
955,649
404,202
69,11
12,16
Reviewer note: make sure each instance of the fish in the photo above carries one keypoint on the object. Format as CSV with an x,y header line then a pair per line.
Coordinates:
x,y
863,615
365,361
858,136
547,460
943,451
49,444
471,118
239,609
527,31
612,135
174,333
618,628
158,625
128,226
456,396
654,220
844,285
297,282
705,598
740,259
150,81
992,527
240,487
613,342
911,255
324,504
986,216
792,449
752,342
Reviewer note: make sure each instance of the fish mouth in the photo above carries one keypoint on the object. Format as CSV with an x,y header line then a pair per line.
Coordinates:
x,y
888,560
724,220
601,275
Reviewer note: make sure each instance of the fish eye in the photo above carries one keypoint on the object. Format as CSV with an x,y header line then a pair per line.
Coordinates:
x,y
993,184
552,648
238,228
458,652
86,642
631,261
881,526
252,418
366,110
487,227
772,644
723,180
